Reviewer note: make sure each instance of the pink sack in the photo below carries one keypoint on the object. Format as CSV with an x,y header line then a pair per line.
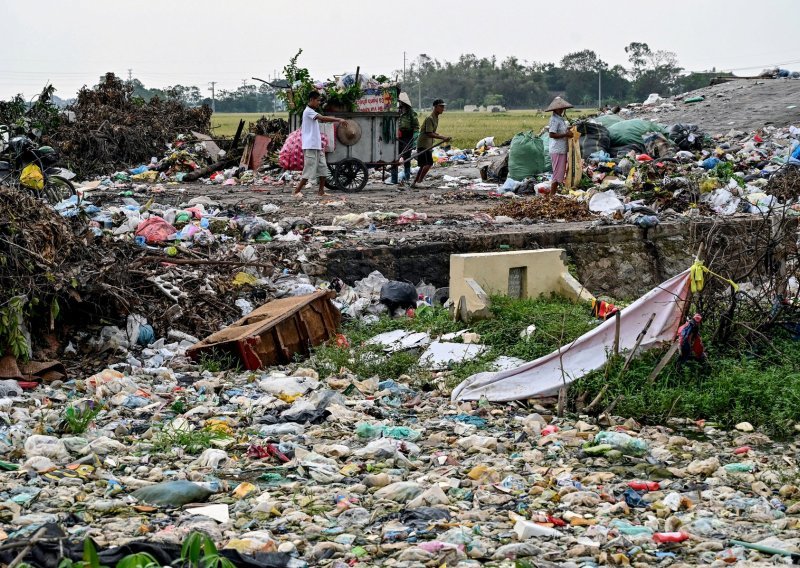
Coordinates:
x,y
291,154
155,230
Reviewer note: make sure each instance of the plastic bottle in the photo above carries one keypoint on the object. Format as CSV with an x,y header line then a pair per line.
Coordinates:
x,y
739,467
670,537
644,485
623,442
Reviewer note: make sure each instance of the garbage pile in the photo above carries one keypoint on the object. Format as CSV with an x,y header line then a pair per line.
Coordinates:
x,y
111,129
343,470
61,268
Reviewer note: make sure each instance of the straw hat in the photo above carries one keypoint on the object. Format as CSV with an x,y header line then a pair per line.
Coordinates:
x,y
348,132
558,103
404,98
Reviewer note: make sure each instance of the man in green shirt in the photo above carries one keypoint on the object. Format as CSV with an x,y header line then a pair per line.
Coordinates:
x,y
426,141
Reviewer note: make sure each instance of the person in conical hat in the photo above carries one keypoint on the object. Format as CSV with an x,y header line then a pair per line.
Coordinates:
x,y
559,133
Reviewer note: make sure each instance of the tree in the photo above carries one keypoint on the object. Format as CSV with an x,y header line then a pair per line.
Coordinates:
x,y
652,71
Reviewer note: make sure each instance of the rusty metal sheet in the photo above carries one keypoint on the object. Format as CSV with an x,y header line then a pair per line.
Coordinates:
x,y
273,333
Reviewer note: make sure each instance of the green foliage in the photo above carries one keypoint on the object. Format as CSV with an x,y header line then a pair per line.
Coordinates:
x,y
763,389
215,361
199,551
557,321
300,85
12,329
343,98
193,442
724,172
78,418
138,560
90,556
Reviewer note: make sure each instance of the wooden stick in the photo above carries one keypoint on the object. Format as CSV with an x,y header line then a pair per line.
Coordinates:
x,y
663,362
639,339
562,401
611,406
27,549
616,332
596,400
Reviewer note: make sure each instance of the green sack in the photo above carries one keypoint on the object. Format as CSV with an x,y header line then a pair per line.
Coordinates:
x,y
631,131
548,163
526,156
608,119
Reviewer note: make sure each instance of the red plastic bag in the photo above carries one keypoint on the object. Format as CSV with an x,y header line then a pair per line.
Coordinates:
x,y
291,154
155,230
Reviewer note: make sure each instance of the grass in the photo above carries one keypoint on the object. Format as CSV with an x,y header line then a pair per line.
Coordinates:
x,y
78,418
193,442
760,388
557,321
466,128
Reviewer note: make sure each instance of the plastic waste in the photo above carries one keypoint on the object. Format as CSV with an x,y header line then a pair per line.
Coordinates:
x,y
176,493
621,441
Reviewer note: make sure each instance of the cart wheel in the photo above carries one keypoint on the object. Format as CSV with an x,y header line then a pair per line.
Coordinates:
x,y
351,174
330,181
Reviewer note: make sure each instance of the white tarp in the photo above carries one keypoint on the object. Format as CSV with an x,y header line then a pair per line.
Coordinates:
x,y
544,376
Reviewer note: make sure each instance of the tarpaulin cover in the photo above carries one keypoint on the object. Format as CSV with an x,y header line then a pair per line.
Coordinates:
x,y
544,376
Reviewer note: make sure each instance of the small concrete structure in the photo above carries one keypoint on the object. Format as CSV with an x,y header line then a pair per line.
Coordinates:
x,y
517,274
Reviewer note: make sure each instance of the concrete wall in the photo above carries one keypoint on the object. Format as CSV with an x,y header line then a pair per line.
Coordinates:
x,y
621,261
523,274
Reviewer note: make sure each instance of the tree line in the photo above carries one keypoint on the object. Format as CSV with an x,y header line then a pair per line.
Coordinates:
x,y
581,77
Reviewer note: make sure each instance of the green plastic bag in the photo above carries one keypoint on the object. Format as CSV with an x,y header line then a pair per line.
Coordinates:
x,y
526,156
608,119
548,163
631,131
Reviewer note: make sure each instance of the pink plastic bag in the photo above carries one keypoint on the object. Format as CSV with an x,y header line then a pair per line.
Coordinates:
x,y
155,230
291,154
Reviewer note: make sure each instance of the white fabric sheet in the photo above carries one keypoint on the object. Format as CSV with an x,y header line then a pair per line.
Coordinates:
x,y
544,376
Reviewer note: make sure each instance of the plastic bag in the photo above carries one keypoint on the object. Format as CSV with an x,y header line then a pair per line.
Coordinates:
x,y
631,131
606,203
396,294
526,156
608,119
594,137
687,136
155,230
32,177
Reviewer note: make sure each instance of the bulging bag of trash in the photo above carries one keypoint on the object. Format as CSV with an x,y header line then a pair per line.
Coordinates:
x,y
631,131
399,295
526,156
594,137
687,136
291,154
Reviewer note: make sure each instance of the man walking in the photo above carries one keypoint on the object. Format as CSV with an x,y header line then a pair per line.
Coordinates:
x,y
314,164
425,143
407,127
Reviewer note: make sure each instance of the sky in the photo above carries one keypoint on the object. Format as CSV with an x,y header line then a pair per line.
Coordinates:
x,y
72,43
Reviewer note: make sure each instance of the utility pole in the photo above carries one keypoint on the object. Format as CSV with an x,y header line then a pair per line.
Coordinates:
x,y
599,88
213,97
